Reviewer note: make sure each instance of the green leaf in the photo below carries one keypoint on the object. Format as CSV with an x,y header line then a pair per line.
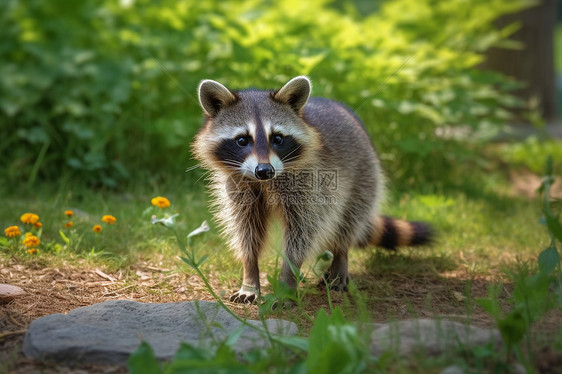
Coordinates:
x,y
491,306
64,237
188,261
513,327
554,226
189,352
143,361
297,342
548,260
549,166
334,345
202,259
234,336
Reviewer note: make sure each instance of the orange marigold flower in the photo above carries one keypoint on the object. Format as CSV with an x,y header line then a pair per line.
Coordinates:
x,y
68,224
109,219
160,202
33,251
31,241
38,225
69,213
12,231
29,218
97,228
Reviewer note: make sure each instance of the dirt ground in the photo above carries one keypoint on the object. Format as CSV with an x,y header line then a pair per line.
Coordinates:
x,y
59,290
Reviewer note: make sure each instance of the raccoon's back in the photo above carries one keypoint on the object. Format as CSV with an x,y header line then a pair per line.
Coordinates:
x,y
344,137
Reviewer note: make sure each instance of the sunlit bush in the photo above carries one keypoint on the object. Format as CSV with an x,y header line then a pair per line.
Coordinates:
x,y
105,90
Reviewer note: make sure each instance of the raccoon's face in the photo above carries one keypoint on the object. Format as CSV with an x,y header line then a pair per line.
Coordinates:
x,y
257,134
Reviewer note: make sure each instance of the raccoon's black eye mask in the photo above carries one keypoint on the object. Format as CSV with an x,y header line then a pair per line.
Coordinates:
x,y
288,148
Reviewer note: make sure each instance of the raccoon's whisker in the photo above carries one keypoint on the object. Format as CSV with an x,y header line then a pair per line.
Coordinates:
x,y
192,168
286,158
232,162
205,174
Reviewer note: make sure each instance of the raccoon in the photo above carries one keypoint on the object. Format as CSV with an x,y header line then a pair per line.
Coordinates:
x,y
307,161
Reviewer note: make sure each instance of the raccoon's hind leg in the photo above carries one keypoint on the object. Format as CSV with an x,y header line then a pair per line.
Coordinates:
x,y
352,225
337,276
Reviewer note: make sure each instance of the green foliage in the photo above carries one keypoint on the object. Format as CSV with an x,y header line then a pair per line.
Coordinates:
x,y
531,152
105,90
335,345
143,360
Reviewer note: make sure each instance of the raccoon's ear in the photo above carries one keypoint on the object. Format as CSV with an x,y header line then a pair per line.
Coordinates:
x,y
213,97
294,93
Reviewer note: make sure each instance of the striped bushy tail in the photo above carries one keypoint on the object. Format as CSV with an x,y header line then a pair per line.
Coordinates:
x,y
391,233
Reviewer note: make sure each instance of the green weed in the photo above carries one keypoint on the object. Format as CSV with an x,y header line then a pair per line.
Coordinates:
x,y
536,291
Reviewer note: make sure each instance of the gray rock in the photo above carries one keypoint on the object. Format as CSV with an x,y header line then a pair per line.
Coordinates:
x,y
107,333
453,369
432,337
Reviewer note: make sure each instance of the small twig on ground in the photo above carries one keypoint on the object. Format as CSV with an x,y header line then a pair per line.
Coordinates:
x,y
103,275
10,333
115,292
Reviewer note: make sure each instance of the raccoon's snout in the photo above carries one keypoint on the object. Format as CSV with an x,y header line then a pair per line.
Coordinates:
x,y
264,172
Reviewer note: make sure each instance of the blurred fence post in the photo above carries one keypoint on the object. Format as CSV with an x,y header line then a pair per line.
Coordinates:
x,y
534,63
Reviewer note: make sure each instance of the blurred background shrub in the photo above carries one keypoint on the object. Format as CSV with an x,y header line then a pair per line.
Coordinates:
x,y
104,92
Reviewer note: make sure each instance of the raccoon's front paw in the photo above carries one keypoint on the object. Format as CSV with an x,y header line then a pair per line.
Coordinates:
x,y
246,295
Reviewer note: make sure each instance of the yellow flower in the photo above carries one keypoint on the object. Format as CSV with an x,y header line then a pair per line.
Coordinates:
x,y
38,225
12,231
31,241
109,219
68,224
32,251
160,202
29,218
69,213
97,228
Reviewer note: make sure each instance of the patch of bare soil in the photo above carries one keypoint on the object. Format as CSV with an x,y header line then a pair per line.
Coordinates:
x,y
526,184
392,296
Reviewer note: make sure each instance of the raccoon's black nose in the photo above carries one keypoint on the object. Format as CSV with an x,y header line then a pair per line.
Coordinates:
x,y
264,172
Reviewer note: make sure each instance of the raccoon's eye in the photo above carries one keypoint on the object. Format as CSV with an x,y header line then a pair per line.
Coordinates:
x,y
277,139
242,141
